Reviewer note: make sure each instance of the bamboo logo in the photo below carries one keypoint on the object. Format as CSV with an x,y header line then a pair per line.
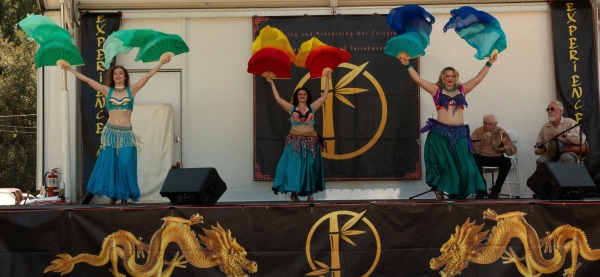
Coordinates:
x,y
340,92
344,233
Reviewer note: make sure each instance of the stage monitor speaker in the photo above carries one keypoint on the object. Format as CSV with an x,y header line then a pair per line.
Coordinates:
x,y
560,181
193,186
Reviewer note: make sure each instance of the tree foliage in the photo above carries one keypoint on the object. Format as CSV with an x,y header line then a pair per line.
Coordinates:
x,y
13,11
18,99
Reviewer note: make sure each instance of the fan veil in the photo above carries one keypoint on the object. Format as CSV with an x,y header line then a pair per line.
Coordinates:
x,y
161,43
152,45
270,62
55,50
479,29
274,38
411,19
325,58
55,42
406,46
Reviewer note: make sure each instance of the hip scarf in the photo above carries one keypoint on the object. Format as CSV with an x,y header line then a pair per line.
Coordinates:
x,y
118,137
303,142
452,133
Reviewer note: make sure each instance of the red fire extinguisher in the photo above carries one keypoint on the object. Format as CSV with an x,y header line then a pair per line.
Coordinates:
x,y
52,183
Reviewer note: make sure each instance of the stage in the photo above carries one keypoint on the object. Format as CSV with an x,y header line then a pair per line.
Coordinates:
x,y
324,238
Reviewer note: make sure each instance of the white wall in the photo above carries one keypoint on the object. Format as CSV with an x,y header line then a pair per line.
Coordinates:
x,y
217,97
50,154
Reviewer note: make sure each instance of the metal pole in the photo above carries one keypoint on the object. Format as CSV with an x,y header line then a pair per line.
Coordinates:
x,y
65,186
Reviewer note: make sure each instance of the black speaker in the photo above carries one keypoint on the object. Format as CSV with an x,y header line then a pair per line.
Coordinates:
x,y
563,181
193,186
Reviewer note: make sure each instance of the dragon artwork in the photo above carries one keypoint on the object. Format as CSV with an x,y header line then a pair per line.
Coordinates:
x,y
466,246
217,248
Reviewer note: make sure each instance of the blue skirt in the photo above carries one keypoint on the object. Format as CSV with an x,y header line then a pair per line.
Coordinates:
x,y
115,172
449,164
300,168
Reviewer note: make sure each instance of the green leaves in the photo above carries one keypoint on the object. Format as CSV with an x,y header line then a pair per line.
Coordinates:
x,y
18,108
13,11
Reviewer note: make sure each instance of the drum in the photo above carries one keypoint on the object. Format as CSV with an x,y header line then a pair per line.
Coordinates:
x,y
498,139
557,147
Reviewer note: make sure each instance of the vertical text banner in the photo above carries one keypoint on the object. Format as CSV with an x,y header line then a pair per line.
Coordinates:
x,y
370,121
575,66
95,28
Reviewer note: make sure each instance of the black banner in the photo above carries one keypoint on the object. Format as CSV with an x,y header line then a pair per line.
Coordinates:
x,y
95,28
371,126
575,66
370,239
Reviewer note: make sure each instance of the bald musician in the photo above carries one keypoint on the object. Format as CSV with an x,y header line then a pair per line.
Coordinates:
x,y
488,154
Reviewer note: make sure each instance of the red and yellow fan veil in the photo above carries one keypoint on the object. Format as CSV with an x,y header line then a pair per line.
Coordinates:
x,y
272,54
320,58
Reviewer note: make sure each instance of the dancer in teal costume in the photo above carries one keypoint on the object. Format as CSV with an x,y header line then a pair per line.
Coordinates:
x,y
449,163
115,171
300,169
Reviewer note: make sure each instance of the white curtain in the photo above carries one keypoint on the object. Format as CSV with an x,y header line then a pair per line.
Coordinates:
x,y
154,124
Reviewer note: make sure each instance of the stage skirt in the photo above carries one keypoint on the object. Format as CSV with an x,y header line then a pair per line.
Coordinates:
x,y
115,172
449,164
300,168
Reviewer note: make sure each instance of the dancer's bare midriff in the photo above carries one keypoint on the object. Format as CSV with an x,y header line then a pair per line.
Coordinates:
x,y
119,118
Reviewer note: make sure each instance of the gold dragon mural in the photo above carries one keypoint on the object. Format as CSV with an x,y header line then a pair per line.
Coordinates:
x,y
217,248
466,246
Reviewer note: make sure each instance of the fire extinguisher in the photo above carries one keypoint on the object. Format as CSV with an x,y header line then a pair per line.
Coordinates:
x,y
51,181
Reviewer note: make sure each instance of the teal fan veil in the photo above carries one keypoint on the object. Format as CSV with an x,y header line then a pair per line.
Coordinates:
x,y
152,44
412,23
55,42
479,29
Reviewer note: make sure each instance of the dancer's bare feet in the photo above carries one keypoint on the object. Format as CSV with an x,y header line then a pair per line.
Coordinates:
x,y
294,197
310,198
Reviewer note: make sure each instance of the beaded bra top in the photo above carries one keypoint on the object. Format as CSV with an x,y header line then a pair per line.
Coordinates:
x,y
300,119
444,101
125,103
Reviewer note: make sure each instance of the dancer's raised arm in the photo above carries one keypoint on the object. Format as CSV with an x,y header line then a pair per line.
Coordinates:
x,y
431,88
317,103
287,106
140,84
95,85
471,84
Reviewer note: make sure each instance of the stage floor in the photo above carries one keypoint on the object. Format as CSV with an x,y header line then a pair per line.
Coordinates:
x,y
138,205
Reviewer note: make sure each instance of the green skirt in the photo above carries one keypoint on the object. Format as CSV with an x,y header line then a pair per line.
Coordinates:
x,y
453,171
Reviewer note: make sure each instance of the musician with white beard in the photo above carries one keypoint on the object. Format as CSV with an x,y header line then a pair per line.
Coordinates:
x,y
557,124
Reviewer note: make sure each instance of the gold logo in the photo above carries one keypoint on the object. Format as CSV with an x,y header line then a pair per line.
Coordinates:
x,y
338,92
335,233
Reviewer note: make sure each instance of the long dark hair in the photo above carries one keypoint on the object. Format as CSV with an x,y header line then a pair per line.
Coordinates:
x,y
109,81
295,96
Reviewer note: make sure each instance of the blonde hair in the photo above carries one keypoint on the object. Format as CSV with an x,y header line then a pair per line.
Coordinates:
x,y
440,81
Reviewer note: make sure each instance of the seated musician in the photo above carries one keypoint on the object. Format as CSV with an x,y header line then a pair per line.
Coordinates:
x,y
489,153
557,124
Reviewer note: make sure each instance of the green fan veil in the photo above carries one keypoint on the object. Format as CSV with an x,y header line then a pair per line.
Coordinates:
x,y
147,40
55,42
